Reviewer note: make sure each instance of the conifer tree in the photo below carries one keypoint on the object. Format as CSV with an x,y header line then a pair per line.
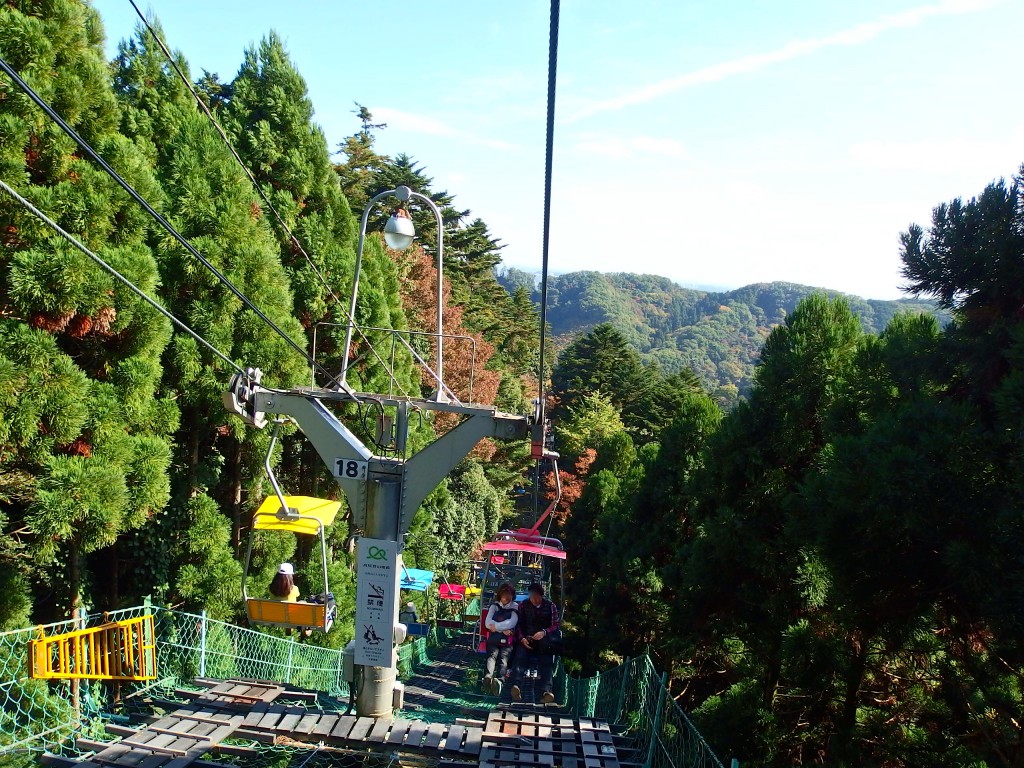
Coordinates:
x,y
270,121
269,118
362,165
84,420
212,204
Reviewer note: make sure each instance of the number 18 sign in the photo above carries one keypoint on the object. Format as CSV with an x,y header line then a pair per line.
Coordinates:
x,y
350,469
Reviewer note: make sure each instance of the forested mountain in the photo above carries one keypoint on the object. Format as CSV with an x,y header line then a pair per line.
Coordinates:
x,y
718,336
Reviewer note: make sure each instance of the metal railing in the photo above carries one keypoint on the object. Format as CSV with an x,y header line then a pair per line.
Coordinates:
x,y
40,714
634,696
399,340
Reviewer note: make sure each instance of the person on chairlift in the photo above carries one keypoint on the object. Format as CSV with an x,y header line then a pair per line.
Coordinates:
x,y
283,586
502,617
536,632
409,615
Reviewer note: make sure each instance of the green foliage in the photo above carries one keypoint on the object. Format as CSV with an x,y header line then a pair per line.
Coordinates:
x,y
270,120
589,423
84,450
599,361
602,362
211,202
471,252
465,511
838,560
207,572
831,572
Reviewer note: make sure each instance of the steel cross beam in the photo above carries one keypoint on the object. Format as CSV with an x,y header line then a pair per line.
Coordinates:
x,y
385,492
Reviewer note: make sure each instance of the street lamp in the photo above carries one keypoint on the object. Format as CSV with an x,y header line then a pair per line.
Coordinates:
x,y
399,233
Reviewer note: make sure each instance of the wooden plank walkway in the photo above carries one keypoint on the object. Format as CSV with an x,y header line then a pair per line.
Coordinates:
x,y
251,711
529,738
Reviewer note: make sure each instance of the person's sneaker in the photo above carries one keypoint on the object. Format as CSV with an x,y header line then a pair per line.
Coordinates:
x,y
517,695
547,698
496,688
487,682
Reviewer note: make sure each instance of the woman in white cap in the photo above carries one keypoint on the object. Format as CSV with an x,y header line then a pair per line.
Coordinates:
x,y
283,586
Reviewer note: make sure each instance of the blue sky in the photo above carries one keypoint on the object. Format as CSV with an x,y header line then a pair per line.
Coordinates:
x,y
716,143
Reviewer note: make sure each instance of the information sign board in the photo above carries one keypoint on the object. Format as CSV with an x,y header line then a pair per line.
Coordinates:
x,y
376,601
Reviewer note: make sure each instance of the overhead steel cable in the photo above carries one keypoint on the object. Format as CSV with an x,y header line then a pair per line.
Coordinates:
x,y
128,283
98,159
540,428
204,107
548,153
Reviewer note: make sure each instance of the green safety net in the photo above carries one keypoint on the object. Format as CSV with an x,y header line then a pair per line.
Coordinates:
x,y
38,715
44,715
635,697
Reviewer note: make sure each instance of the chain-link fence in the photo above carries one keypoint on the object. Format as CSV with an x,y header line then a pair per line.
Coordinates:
x,y
35,714
634,696
40,714
193,646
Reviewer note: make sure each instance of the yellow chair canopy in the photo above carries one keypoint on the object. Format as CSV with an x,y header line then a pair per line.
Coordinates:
x,y
313,513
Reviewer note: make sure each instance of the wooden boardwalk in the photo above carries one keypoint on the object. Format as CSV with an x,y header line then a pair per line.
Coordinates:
x,y
530,739
192,735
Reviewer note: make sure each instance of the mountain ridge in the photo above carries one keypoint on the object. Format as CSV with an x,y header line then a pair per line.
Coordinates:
x,y
717,334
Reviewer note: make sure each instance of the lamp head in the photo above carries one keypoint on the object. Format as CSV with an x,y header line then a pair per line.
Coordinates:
x,y
399,231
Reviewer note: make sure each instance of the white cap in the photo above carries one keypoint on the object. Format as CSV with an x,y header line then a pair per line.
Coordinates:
x,y
410,605
286,569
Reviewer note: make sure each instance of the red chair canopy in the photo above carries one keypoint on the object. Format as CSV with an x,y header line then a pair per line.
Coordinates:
x,y
451,591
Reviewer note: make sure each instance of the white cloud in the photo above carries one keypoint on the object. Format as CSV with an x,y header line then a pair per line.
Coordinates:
x,y
413,123
939,155
621,147
856,35
454,178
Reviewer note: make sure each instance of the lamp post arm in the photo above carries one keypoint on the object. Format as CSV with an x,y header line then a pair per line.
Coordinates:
x,y
355,281
440,292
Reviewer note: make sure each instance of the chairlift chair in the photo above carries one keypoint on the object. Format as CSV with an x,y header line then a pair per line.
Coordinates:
x,y
455,593
302,515
506,559
415,580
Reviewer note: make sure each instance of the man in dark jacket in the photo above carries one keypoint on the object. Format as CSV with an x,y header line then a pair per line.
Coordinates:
x,y
538,623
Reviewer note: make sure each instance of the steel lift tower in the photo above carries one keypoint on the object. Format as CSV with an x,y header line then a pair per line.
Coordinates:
x,y
383,492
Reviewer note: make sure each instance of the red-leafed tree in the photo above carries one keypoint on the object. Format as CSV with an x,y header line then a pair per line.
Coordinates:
x,y
466,359
573,484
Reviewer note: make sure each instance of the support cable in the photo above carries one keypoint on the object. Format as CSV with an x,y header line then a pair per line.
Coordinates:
x,y
540,428
163,222
548,152
259,189
128,283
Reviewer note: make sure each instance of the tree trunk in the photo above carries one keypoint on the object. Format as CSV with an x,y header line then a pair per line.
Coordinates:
x,y
235,494
192,451
74,578
843,740
114,588
773,671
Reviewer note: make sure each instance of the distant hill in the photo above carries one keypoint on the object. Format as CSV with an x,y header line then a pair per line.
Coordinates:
x,y
718,335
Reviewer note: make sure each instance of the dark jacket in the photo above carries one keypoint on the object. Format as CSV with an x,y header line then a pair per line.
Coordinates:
x,y
533,619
